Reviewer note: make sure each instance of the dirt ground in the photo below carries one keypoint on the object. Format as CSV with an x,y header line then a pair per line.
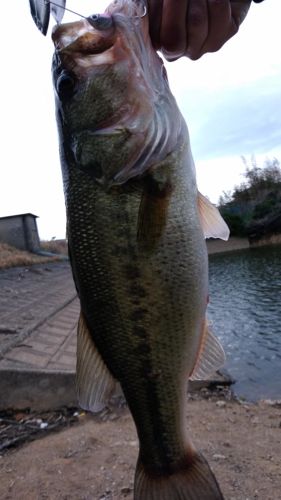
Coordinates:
x,y
95,460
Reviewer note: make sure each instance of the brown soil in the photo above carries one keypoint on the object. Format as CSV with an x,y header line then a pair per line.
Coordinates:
x,y
95,460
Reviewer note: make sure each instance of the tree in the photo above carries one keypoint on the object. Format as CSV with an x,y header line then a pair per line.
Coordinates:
x,y
255,200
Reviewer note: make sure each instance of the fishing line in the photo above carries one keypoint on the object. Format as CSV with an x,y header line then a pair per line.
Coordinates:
x,y
86,17
65,8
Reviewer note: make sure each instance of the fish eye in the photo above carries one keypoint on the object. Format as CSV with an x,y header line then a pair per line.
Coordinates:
x,y
65,85
100,22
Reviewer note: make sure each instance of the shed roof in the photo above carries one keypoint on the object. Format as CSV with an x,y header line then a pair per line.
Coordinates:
x,y
19,215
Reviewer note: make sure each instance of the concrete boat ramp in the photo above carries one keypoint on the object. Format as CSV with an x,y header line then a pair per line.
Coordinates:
x,y
39,311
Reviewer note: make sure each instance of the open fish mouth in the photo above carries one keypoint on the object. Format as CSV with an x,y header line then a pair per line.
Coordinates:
x,y
95,39
85,43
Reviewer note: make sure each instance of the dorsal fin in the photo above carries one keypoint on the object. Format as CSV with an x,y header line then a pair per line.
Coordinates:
x,y
210,357
95,384
212,223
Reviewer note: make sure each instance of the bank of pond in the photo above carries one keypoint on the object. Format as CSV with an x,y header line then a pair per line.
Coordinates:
x,y
245,312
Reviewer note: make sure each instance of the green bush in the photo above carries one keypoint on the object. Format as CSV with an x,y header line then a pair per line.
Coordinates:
x,y
254,200
236,224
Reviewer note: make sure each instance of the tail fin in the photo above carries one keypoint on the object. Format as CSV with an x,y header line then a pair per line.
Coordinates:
x,y
194,481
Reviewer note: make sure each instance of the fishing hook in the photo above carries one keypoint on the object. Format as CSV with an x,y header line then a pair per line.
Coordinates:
x,y
144,12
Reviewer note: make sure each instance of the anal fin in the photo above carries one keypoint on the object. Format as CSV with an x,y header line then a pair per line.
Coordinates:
x,y
95,384
210,357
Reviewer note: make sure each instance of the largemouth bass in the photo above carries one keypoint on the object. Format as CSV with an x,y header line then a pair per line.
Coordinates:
x,y
136,225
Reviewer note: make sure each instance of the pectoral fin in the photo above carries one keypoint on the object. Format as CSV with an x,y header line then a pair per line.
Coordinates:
x,y
212,223
210,357
95,384
153,214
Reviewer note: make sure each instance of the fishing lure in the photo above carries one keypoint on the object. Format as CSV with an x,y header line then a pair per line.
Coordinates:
x,y
41,11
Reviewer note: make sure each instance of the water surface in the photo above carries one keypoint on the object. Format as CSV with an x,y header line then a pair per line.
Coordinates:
x,y
245,308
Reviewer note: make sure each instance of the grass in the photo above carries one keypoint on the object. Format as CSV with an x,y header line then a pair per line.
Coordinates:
x,y
12,257
55,246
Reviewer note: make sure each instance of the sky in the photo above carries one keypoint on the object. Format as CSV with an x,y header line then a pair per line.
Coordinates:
x,y
231,101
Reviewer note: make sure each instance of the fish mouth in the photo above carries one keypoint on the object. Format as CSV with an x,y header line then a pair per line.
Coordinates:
x,y
112,100
85,43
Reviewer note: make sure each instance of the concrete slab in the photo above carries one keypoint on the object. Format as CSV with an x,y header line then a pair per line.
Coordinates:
x,y
37,369
50,346
37,389
29,296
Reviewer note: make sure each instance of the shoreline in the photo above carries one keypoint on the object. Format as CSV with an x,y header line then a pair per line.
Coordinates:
x,y
234,243
215,246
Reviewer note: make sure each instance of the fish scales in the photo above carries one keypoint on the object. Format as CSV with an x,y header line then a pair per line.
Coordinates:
x,y
145,321
136,226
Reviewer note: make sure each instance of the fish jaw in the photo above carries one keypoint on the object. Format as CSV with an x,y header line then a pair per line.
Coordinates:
x,y
81,46
113,98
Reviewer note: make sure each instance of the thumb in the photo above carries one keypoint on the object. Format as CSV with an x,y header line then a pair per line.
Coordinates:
x,y
239,10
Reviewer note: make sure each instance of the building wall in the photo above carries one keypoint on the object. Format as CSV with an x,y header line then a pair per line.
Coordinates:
x,y
31,233
20,231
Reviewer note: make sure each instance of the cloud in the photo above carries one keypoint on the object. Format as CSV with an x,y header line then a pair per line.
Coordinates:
x,y
242,121
229,100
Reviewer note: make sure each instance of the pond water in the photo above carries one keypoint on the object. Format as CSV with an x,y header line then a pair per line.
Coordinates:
x,y
245,310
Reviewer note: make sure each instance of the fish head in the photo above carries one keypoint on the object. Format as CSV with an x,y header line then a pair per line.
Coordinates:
x,y
115,111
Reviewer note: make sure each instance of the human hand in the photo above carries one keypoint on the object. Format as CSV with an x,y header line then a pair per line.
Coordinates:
x,y
193,27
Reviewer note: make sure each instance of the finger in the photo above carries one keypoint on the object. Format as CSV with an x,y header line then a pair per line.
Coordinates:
x,y
173,28
197,27
155,8
239,11
221,26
